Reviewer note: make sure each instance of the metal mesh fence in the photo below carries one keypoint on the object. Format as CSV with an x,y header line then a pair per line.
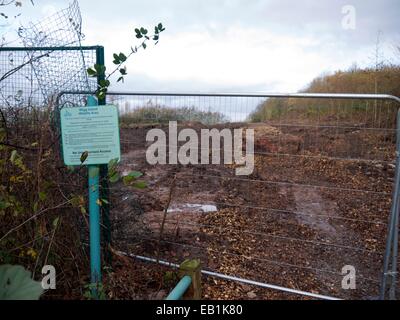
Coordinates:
x,y
318,198
50,60
32,77
64,28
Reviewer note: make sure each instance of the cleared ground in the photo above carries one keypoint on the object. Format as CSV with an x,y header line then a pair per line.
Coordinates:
x,y
318,200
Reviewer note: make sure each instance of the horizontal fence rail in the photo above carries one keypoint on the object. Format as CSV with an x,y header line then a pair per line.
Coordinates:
x,y
346,96
237,279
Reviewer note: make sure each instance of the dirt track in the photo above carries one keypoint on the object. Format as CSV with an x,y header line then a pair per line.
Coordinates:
x,y
301,216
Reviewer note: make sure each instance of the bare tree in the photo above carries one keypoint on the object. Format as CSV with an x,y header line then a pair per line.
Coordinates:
x,y
378,64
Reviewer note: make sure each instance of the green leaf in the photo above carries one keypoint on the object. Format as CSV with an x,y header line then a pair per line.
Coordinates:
x,y
77,201
140,185
101,69
16,284
144,45
120,79
139,36
42,196
84,156
13,156
115,177
131,177
91,72
122,57
101,94
170,277
116,59
127,180
55,222
135,174
4,205
160,27
104,83
190,264
35,206
123,71
112,163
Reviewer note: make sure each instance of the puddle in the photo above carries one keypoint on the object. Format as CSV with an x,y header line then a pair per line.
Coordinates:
x,y
193,207
310,202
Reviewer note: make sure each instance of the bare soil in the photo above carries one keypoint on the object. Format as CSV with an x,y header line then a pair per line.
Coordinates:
x,y
318,200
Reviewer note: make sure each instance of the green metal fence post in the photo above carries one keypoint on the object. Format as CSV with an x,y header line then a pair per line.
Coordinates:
x,y
180,289
100,60
104,187
189,287
94,221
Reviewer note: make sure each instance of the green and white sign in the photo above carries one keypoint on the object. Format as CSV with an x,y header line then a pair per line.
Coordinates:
x,y
94,130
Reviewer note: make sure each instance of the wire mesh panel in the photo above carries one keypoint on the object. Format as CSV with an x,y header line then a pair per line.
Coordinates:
x,y
50,60
63,28
30,80
315,205
32,77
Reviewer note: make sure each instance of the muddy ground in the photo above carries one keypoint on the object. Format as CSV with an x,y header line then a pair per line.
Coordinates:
x,y
318,200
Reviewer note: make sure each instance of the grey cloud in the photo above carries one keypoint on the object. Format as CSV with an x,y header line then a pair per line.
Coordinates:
x,y
319,21
142,82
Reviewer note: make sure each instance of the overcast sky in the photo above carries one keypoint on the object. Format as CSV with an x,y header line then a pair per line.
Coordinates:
x,y
235,45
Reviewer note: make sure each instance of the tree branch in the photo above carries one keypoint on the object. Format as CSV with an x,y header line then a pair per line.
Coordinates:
x,y
16,69
171,190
